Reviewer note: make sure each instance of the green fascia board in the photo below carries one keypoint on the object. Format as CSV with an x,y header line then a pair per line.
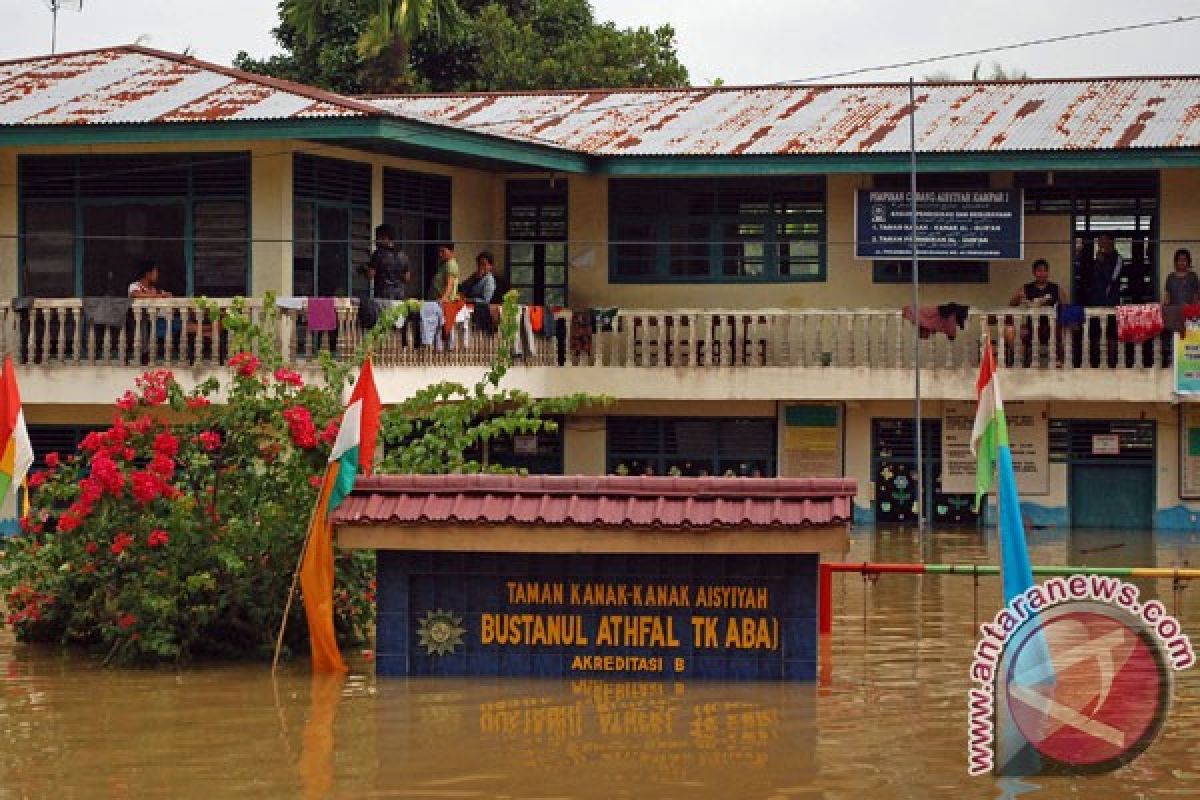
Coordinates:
x,y
435,139
897,162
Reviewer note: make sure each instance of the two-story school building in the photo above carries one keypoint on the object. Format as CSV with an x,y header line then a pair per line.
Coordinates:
x,y
696,252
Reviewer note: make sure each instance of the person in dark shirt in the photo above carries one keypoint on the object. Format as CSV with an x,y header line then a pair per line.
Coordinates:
x,y
1038,293
1182,286
1102,287
387,270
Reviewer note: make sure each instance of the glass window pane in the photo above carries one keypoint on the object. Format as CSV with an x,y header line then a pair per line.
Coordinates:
x,y
743,249
556,296
521,274
220,248
633,253
556,274
118,235
520,254
556,253
689,250
49,249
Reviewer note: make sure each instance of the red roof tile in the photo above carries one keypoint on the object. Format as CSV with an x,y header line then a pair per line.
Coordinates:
x,y
598,501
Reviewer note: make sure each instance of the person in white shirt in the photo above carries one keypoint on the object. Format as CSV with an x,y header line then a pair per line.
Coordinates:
x,y
146,284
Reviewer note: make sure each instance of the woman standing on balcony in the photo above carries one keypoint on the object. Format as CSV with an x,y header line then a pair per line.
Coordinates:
x,y
146,284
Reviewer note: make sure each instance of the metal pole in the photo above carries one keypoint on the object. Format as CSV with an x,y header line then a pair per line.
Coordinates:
x,y
916,303
53,27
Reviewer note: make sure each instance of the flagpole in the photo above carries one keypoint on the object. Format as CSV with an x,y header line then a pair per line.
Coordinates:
x,y
287,608
925,491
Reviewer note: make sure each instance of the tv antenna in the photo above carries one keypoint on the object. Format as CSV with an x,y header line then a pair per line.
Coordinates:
x,y
55,6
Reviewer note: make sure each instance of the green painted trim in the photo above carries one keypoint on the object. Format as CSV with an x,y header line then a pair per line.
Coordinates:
x,y
895,162
420,135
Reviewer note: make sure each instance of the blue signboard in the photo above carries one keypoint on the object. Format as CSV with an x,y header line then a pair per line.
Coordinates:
x,y
954,224
579,615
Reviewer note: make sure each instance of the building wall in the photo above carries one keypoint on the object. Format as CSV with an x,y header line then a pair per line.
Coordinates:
x,y
8,223
1179,217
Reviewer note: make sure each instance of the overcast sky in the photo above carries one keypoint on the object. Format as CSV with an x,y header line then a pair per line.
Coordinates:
x,y
747,42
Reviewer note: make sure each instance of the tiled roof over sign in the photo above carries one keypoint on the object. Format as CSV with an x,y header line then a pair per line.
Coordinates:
x,y
598,501
136,85
1076,115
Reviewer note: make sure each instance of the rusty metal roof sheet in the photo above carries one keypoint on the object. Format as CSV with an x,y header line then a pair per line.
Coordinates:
x,y
1075,114
132,84
598,501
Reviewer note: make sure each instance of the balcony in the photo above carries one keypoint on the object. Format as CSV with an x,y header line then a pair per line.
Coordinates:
x,y
648,354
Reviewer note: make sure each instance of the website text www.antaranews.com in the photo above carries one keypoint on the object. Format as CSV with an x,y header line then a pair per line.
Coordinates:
x,y
1056,591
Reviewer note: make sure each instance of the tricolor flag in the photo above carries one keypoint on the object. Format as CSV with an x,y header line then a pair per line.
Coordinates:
x,y
353,453
16,452
989,444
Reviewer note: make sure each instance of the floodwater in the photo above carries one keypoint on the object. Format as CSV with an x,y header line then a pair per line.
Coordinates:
x,y
888,719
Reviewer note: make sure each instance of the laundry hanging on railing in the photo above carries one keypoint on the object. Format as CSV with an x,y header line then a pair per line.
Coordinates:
x,y
1175,317
581,334
1071,316
604,319
1139,323
111,312
322,314
947,319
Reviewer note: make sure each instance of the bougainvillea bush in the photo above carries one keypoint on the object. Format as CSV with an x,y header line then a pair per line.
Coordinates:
x,y
174,534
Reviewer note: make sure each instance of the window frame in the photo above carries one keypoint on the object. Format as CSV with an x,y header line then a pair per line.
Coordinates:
x,y
777,191
347,204
719,453
78,199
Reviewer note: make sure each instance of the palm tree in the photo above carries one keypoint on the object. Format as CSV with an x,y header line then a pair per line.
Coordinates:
x,y
389,28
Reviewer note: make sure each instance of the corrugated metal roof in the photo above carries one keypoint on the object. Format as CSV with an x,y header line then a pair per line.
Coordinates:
x,y
1093,114
597,501
133,84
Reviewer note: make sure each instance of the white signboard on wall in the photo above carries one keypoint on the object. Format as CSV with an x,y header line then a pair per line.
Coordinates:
x,y
1028,437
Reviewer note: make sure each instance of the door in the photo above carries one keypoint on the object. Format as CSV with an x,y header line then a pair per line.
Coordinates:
x,y
1095,504
536,223
898,487
1110,471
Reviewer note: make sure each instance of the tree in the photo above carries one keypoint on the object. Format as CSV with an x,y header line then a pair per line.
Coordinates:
x,y
492,45
998,73
173,534
447,427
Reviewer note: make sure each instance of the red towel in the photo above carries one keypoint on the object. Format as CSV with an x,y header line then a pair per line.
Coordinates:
x,y
535,318
322,316
1139,323
450,313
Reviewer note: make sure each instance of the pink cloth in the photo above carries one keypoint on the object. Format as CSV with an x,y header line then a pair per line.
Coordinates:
x,y
322,316
929,320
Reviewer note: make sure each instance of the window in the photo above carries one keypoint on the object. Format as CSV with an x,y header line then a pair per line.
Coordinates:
x,y
717,230
691,446
537,235
331,225
417,205
87,220
900,270
1123,204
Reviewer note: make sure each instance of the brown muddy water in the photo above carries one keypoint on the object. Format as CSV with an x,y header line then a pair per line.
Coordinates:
x,y
888,720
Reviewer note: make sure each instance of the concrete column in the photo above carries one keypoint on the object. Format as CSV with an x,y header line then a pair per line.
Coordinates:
x,y
271,219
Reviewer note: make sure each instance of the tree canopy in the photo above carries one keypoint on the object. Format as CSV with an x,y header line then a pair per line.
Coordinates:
x,y
467,45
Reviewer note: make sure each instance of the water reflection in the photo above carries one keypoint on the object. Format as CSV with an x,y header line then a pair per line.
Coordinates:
x,y
887,720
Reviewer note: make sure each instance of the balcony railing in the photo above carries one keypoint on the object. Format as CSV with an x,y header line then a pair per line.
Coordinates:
x,y
57,332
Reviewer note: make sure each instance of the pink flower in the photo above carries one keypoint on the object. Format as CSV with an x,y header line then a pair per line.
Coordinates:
x,y
162,466
157,538
209,440
107,475
285,375
146,486
165,444
68,522
314,481
195,403
127,401
126,621
52,460
36,479
154,386
246,364
91,548
122,540
329,435
300,426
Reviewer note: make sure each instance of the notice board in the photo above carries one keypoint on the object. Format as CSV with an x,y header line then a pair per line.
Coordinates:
x,y
977,224
1029,439
810,443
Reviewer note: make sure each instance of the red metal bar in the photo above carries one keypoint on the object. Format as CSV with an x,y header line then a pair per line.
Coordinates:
x,y
825,598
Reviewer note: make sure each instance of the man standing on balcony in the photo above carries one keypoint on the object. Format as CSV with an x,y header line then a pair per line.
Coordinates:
x,y
387,270
1102,289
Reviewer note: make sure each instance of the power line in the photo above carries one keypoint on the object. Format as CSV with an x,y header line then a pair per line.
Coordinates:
x,y
845,73
996,49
